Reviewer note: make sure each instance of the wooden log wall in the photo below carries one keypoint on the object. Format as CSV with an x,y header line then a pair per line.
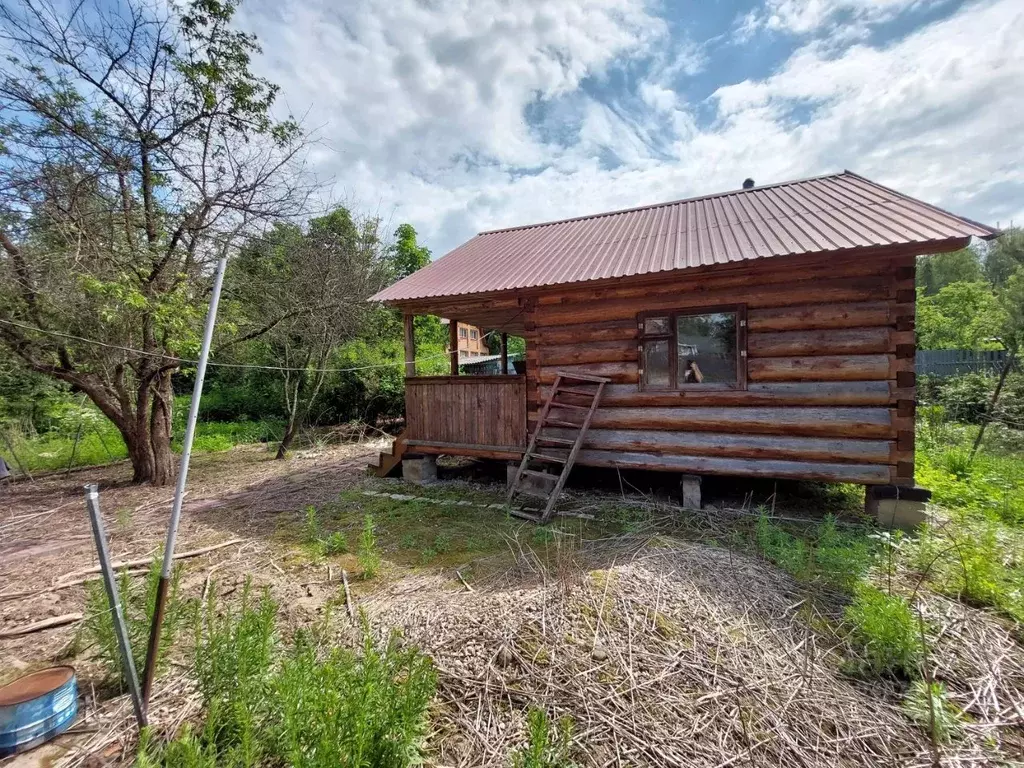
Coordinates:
x,y
830,363
466,410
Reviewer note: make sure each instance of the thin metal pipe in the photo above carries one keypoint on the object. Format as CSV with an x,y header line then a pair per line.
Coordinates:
x,y
92,503
179,491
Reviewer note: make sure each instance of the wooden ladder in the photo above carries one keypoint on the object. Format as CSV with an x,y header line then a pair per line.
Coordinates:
x,y
581,390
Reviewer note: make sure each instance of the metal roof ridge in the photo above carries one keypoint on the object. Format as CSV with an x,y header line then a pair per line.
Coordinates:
x,y
681,201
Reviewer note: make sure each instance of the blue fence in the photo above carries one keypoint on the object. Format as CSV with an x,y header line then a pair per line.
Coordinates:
x,y
953,362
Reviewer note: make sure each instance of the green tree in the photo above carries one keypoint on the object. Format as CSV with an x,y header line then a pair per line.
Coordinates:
x,y
409,255
1005,256
936,272
137,148
960,316
303,295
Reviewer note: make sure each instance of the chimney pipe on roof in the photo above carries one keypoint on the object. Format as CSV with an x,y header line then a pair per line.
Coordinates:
x,y
748,183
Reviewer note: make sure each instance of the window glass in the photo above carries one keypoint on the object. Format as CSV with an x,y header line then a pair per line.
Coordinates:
x,y
462,333
706,349
472,335
657,325
656,364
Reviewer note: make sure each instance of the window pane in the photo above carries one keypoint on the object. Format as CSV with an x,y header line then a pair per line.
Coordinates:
x,y
656,372
707,348
656,325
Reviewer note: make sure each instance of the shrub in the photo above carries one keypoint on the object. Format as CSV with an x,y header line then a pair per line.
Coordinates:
x,y
928,705
138,601
884,626
369,558
268,705
335,544
545,747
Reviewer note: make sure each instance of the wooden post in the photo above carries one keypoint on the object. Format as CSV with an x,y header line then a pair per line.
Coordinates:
x,y
453,344
504,354
410,346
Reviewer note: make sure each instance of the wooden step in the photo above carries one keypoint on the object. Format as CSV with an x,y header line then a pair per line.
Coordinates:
x,y
570,406
542,475
560,423
552,441
533,492
573,391
582,377
546,457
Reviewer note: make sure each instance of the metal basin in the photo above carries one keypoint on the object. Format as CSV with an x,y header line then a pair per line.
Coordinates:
x,y
37,707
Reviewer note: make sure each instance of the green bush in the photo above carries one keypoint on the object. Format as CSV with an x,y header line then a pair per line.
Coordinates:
x,y
885,629
269,705
138,601
966,397
839,558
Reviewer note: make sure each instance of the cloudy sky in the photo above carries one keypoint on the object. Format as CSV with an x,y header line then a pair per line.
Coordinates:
x,y
464,115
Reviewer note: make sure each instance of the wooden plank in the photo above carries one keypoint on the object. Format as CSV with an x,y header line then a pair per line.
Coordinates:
x,y
615,330
453,346
819,316
844,451
619,373
825,291
410,344
768,393
469,410
844,341
812,422
825,368
498,452
868,474
588,352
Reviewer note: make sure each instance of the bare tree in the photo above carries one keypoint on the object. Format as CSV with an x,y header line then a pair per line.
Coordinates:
x,y
305,294
136,146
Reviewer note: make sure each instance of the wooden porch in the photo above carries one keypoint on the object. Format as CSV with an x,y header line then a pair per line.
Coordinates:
x,y
481,416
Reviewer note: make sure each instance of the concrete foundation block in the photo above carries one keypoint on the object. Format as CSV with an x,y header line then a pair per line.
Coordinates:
x,y
897,506
691,491
419,468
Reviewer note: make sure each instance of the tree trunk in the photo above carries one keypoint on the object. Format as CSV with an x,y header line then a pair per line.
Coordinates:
x,y
148,438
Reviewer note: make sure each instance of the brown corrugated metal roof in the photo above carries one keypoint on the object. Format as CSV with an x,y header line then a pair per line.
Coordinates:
x,y
828,213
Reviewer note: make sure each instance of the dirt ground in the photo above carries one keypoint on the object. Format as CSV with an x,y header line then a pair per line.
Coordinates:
x,y
664,651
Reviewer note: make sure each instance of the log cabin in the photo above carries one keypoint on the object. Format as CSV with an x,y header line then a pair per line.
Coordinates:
x,y
765,332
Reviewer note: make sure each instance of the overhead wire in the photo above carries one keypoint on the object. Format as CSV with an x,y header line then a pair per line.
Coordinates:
x,y
183,361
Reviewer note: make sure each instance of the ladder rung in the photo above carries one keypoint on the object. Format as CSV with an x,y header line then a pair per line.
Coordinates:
x,y
546,457
569,406
560,423
544,475
534,493
580,392
555,440
582,377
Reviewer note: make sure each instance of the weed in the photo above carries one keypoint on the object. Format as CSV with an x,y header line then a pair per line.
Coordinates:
x,y
546,746
311,527
928,705
138,601
443,543
408,541
957,461
542,535
367,554
268,705
885,629
124,518
335,544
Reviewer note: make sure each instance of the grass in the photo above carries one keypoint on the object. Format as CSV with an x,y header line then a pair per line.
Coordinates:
x,y
101,443
886,630
367,554
266,702
928,705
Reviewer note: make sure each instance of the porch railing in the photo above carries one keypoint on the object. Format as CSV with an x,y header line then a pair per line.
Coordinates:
x,y
484,411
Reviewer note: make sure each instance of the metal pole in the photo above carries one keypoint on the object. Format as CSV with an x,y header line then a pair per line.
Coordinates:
x,y
92,503
179,491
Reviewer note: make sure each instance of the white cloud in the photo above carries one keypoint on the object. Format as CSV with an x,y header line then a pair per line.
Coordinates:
x,y
431,112
846,17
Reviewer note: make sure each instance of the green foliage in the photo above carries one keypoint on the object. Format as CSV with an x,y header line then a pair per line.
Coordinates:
x,y
962,315
138,601
936,272
367,554
336,544
884,627
548,745
928,705
265,704
838,558
1005,256
408,256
